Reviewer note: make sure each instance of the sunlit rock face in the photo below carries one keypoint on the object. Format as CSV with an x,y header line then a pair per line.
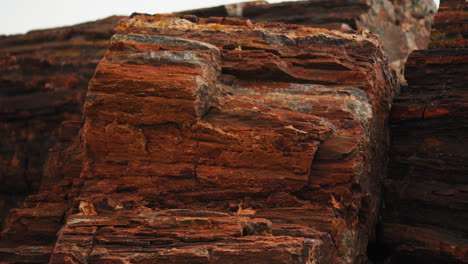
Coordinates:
x,y
402,26
426,196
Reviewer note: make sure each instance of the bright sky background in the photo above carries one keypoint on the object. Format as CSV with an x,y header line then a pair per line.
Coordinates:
x,y
20,16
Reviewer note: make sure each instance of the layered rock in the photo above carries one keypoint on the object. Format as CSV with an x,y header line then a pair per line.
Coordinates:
x,y
45,73
225,141
218,140
183,236
43,80
426,196
30,231
402,26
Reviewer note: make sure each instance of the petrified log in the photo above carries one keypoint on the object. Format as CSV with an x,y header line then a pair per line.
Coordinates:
x,y
45,73
426,196
272,141
215,119
402,26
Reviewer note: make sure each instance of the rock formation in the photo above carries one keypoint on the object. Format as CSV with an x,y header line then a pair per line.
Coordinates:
x,y
426,197
54,67
219,140
43,80
204,114
402,26
205,135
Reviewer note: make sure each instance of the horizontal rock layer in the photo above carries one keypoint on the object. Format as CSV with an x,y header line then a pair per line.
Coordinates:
x,y
240,119
30,231
184,236
449,29
426,196
43,80
318,162
402,26
45,73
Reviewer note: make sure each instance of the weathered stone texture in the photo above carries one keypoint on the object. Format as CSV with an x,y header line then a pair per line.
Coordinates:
x,y
217,140
426,206
43,80
402,26
283,123
183,236
30,231
450,26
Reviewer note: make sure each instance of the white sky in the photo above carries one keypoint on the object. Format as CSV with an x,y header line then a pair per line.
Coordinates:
x,y
20,16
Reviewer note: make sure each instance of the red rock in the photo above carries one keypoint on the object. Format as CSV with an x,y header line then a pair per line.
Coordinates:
x,y
429,244
22,254
425,203
402,26
43,80
38,92
272,138
181,236
39,223
30,231
205,116
449,26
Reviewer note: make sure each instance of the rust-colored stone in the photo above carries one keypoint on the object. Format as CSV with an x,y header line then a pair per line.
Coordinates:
x,y
43,80
219,140
183,236
258,120
425,211
402,26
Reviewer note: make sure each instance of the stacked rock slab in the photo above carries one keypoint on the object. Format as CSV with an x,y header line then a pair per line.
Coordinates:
x,y
44,76
221,141
426,196
45,73
37,222
402,26
30,231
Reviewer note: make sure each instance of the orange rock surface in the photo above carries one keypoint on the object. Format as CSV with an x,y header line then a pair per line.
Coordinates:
x,y
222,140
216,118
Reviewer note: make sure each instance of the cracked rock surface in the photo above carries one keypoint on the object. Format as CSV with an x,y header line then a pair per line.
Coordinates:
x,y
219,140
402,26
426,194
